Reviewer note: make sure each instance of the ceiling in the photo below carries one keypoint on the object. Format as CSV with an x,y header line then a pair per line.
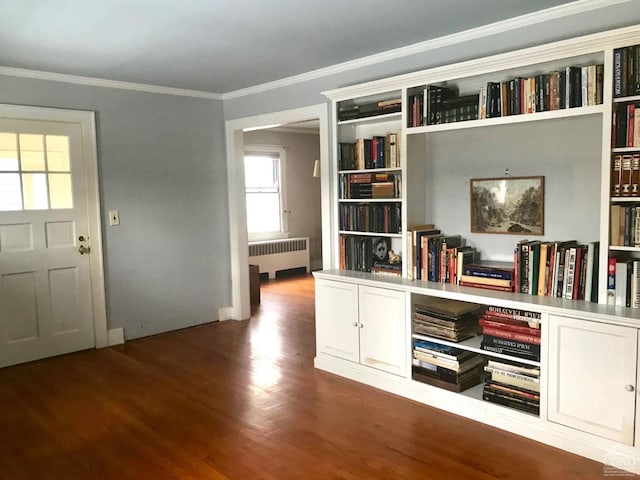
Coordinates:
x,y
220,46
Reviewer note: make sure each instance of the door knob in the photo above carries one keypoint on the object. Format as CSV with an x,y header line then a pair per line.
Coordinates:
x,y
84,249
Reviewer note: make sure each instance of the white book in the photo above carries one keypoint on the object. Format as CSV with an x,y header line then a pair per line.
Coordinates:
x,y
514,379
569,273
621,284
588,280
585,86
635,284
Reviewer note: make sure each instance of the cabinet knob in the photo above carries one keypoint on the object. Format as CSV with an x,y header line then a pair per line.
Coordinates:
x,y
629,388
355,324
361,325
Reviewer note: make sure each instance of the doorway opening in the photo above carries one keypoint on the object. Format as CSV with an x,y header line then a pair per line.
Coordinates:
x,y
280,129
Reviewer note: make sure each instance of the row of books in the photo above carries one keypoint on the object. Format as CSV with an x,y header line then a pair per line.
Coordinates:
x,y
625,127
373,217
433,256
437,104
369,185
623,282
568,87
559,89
365,153
626,71
625,175
369,254
511,332
625,226
351,111
563,269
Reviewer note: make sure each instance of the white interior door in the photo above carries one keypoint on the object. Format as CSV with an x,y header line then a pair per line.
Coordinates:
x,y
45,277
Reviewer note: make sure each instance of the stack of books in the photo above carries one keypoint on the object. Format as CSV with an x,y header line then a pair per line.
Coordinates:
x,y
513,385
445,366
491,275
511,332
449,319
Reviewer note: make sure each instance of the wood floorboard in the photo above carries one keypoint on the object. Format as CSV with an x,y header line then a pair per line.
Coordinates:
x,y
242,401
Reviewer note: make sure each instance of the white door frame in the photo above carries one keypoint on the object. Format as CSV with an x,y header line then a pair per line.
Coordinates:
x,y
240,308
86,120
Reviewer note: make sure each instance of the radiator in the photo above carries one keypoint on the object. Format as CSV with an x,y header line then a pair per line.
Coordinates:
x,y
275,255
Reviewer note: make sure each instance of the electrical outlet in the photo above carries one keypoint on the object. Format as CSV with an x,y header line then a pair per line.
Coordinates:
x,y
114,217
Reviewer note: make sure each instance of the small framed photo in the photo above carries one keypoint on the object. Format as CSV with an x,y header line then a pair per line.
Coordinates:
x,y
507,205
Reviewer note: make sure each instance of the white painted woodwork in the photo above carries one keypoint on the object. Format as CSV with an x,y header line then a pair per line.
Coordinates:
x,y
362,324
383,336
592,377
337,322
589,371
240,305
45,284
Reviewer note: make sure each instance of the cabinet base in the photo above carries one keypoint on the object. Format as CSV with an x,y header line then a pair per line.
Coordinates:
x,y
599,449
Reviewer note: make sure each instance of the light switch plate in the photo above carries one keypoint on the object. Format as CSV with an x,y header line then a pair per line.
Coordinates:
x,y
114,217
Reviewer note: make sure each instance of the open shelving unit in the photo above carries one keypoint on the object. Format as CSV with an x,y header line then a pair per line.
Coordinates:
x,y
587,402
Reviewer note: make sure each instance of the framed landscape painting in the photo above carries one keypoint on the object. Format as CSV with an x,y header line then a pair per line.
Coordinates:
x,y
507,205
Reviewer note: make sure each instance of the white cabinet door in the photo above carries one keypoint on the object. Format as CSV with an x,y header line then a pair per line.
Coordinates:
x,y
592,377
383,338
337,319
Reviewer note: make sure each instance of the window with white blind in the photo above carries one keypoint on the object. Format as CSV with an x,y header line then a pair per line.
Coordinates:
x,y
264,183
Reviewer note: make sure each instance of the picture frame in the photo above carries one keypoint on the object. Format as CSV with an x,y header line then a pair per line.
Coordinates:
x,y
507,205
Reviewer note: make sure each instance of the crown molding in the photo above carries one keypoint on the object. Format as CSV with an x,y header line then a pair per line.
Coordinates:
x,y
573,8
99,82
553,13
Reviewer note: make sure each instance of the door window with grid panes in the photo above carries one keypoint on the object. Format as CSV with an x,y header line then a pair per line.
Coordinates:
x,y
35,172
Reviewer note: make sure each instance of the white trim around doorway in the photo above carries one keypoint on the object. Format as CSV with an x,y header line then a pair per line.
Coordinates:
x,y
240,308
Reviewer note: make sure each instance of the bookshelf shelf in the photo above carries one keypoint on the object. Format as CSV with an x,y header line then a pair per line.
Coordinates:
x,y
625,149
473,345
633,98
511,119
625,199
618,248
369,200
371,170
372,119
370,234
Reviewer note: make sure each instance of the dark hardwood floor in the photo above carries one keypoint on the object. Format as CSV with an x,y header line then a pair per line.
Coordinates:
x,y
241,400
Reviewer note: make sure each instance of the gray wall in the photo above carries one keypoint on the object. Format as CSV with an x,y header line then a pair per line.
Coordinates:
x,y
162,164
303,190
571,184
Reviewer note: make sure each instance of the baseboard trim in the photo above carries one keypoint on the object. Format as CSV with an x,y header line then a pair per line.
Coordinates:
x,y
115,336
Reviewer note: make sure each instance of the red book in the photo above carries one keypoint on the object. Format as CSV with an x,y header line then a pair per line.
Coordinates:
x,y
611,281
576,273
498,323
520,337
